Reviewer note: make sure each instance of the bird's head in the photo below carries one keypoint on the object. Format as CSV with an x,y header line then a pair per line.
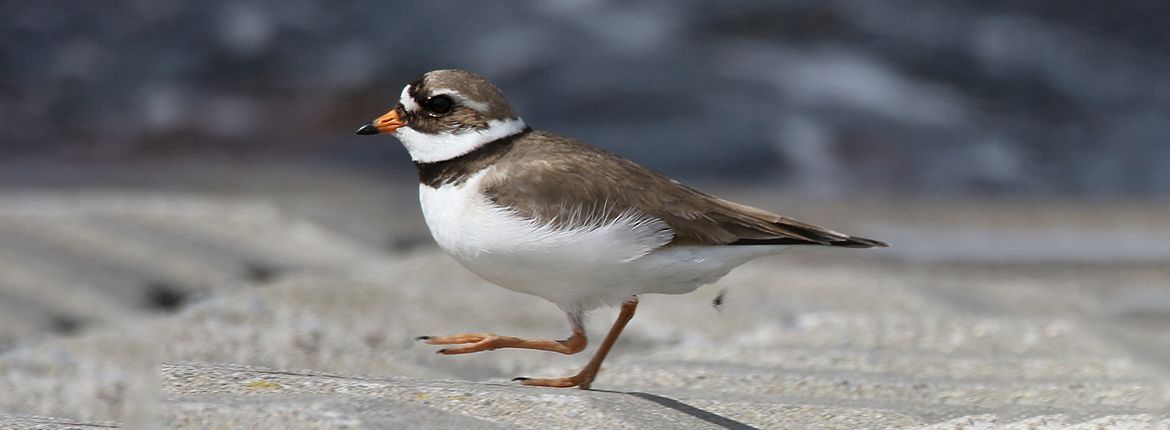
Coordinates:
x,y
447,113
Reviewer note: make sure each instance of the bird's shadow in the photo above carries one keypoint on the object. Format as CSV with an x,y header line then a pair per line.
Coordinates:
x,y
707,416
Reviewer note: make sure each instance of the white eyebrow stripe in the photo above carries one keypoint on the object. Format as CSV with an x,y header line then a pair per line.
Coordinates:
x,y
407,101
462,99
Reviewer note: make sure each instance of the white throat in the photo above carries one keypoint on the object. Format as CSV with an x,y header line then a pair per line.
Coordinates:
x,y
430,148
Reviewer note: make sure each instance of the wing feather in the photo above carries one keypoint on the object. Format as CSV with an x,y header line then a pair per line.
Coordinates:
x,y
545,172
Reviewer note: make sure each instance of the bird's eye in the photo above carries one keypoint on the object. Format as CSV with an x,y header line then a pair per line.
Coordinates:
x,y
438,105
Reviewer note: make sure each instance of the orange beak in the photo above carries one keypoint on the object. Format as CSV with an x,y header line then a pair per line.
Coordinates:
x,y
384,124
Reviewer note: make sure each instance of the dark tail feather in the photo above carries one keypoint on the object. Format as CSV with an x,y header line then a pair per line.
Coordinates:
x,y
847,242
859,242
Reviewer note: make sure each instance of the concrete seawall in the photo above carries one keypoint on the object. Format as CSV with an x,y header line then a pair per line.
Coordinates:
x,y
200,311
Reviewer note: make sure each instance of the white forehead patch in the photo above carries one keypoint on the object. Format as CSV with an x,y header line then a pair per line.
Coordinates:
x,y
429,148
410,105
407,101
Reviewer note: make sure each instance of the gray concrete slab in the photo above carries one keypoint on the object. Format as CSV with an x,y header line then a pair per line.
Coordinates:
x,y
813,339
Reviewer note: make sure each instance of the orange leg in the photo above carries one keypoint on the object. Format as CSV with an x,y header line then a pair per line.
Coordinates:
x,y
487,342
585,377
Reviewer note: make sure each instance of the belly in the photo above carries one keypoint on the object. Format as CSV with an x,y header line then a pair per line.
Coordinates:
x,y
577,268
583,266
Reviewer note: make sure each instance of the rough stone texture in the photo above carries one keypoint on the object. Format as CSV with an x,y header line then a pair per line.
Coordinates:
x,y
15,422
811,339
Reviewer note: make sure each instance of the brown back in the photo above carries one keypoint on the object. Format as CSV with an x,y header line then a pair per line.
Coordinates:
x,y
540,175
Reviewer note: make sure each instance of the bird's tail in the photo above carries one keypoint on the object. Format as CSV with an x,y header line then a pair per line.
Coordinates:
x,y
859,242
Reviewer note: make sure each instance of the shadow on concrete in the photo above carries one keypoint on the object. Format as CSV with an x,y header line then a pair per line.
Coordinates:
x,y
710,417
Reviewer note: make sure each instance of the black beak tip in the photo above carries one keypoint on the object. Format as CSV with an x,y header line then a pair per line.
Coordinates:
x,y
367,129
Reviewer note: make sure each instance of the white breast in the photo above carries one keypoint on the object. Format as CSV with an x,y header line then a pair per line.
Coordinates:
x,y
580,268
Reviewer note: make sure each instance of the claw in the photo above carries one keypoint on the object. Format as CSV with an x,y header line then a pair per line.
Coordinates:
x,y
423,338
520,379
441,351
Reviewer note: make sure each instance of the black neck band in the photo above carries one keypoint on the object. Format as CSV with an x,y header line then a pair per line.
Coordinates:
x,y
456,170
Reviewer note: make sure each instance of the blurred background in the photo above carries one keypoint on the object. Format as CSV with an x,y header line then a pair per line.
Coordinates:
x,y
158,153
910,97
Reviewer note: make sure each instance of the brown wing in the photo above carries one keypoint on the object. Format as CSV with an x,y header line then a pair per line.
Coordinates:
x,y
543,173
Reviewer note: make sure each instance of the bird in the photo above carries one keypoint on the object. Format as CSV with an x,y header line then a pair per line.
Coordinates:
x,y
551,216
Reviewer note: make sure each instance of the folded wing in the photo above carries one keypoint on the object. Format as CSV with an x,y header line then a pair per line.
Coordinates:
x,y
542,184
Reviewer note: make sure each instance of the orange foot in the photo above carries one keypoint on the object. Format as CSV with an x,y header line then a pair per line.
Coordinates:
x,y
584,378
477,342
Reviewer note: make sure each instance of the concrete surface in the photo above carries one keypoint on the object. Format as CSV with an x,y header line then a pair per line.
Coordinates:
x,y
190,310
